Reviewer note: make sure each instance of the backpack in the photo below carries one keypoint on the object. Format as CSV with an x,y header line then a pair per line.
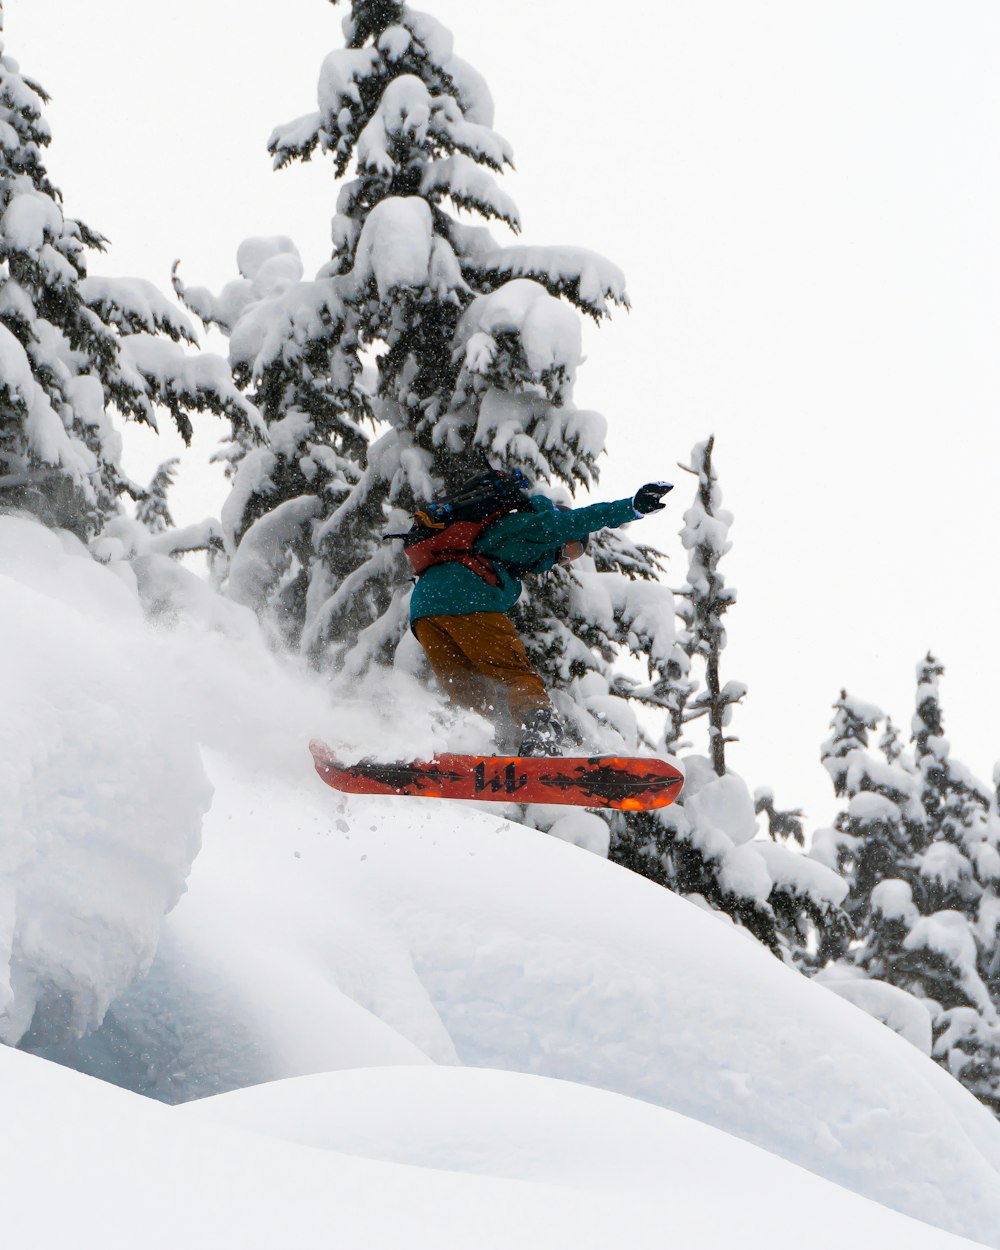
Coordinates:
x,y
445,530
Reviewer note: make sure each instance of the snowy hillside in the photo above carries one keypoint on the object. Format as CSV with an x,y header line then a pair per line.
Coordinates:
x,y
390,956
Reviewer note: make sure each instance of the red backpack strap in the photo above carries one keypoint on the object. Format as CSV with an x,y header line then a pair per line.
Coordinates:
x,y
453,545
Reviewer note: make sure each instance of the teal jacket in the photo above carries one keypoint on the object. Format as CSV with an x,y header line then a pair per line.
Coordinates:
x,y
519,543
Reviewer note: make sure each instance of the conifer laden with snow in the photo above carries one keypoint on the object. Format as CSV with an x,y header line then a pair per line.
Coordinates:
x,y
919,848
476,347
705,845
955,917
883,824
75,348
707,599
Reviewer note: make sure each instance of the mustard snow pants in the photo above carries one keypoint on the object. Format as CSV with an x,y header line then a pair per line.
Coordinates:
x,y
477,655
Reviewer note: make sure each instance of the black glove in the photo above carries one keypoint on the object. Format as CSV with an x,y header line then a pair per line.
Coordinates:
x,y
648,498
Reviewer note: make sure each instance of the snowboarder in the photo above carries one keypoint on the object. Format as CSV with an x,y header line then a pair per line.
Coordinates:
x,y
469,577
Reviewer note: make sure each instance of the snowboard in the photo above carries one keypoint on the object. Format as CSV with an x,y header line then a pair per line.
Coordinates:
x,y
629,784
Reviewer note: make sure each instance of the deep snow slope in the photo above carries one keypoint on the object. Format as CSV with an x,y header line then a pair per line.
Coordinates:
x,y
342,932
322,933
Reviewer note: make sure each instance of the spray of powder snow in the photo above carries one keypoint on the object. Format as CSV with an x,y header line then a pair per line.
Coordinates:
x,y
104,789
115,678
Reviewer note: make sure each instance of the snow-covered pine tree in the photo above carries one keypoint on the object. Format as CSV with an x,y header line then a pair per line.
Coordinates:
x,y
919,849
476,346
72,346
875,841
883,824
956,805
706,599
705,846
952,940
291,349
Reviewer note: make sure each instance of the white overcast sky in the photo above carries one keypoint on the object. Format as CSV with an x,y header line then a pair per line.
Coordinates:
x,y
805,198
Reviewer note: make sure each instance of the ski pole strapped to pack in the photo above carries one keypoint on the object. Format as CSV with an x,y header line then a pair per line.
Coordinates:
x,y
445,530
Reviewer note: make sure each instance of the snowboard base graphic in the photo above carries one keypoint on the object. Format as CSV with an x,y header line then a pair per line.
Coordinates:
x,y
630,784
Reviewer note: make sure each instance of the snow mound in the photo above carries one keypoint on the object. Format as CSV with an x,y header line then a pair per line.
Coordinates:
x,y
554,1135
482,1159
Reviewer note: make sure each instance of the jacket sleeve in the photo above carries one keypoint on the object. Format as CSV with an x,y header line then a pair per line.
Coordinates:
x,y
522,535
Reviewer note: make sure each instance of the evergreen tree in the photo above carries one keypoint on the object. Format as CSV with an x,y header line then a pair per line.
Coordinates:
x,y
956,805
707,599
72,346
476,346
704,846
953,939
882,826
918,846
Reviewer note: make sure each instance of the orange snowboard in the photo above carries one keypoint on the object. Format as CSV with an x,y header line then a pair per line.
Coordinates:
x,y
629,784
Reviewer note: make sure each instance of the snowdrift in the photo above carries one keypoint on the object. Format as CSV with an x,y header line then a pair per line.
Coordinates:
x,y
321,934
430,1159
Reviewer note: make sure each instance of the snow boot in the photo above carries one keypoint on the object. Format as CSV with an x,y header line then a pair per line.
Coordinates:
x,y
542,733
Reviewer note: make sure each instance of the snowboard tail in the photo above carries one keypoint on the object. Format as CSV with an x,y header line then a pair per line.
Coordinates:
x,y
608,781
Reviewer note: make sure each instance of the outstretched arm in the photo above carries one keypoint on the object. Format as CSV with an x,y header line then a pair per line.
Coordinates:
x,y
563,526
549,528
